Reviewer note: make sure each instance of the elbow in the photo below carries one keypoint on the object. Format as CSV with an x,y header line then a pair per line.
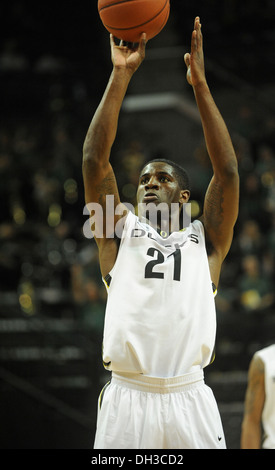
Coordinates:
x,y
231,167
86,149
90,154
232,175
229,173
96,149
90,160
89,163
94,160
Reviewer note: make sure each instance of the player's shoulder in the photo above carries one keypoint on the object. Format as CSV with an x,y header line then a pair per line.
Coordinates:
x,y
197,227
265,352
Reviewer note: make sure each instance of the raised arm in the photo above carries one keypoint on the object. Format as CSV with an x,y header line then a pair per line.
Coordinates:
x,y
222,197
98,175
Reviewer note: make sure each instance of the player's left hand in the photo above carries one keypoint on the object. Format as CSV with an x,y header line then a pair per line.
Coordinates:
x,y
195,60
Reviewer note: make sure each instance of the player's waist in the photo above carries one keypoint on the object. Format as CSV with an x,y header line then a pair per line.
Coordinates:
x,y
158,384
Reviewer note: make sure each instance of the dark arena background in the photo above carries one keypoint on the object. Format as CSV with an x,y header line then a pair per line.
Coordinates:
x,y
54,66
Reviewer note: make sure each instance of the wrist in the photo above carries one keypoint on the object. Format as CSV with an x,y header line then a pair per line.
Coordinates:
x,y
122,73
201,87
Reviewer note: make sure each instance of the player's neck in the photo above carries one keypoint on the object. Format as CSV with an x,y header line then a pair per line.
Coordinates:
x,y
163,227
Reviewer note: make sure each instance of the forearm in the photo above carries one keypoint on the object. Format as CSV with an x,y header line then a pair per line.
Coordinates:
x,y
217,138
251,436
103,128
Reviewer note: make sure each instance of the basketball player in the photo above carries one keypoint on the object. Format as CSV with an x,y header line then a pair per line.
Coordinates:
x,y
160,322
258,427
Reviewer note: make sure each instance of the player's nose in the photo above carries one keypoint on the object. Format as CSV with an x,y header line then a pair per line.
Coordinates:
x,y
152,183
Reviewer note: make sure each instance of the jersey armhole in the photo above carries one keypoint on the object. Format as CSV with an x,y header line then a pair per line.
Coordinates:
x,y
107,281
108,278
215,290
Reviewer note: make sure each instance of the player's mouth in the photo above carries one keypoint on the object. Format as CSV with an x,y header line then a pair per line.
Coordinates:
x,y
150,197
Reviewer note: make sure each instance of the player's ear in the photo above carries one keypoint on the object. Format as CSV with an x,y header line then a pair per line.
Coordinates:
x,y
184,196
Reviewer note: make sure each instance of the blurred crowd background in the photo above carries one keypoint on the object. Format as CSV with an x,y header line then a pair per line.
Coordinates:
x,y
54,66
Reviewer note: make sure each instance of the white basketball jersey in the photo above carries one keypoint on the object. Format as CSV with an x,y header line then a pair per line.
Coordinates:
x,y
267,355
160,315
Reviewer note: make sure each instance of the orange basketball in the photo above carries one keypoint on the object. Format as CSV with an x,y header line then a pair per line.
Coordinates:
x,y
128,19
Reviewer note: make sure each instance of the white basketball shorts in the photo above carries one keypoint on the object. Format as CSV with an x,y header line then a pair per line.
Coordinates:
x,y
140,412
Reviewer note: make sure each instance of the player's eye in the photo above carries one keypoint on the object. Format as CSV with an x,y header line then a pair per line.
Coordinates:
x,y
144,180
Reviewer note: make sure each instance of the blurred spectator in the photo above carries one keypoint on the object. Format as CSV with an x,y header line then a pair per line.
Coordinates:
x,y
250,239
265,161
255,289
11,59
252,198
89,297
